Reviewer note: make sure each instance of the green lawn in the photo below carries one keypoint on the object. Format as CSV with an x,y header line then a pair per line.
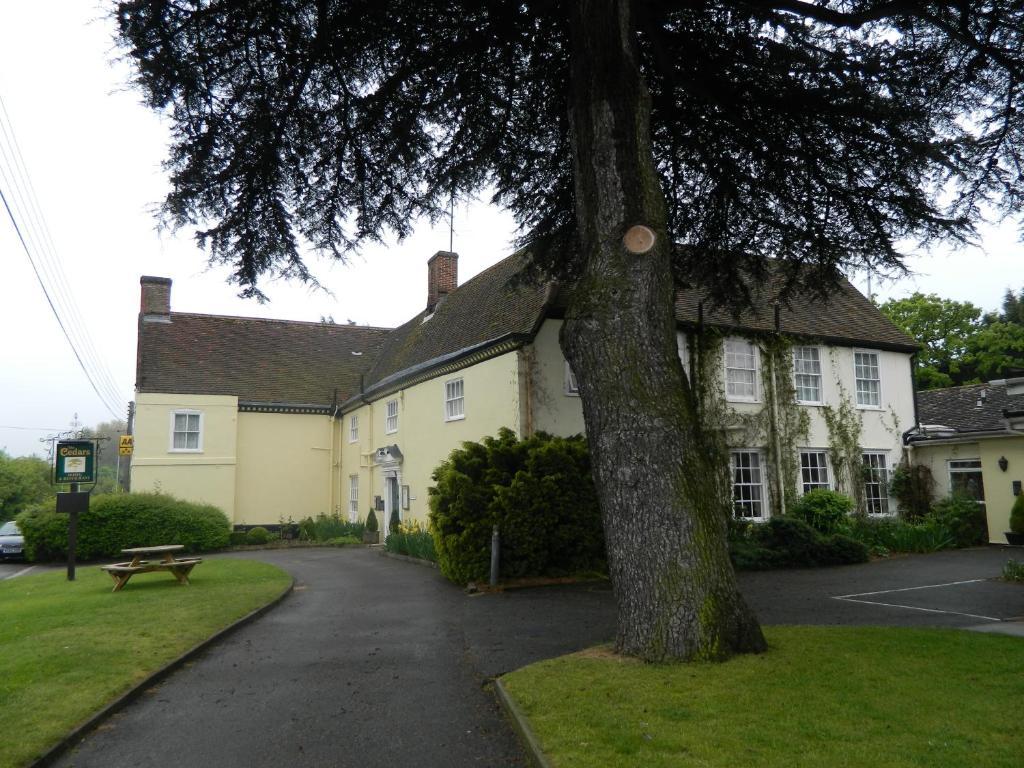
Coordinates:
x,y
819,697
69,648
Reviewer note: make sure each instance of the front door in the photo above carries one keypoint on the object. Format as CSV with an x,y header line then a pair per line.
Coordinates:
x,y
391,503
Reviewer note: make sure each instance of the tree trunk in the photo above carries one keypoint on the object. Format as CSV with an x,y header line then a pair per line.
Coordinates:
x,y
664,497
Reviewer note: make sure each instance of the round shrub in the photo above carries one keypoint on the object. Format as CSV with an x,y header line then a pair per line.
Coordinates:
x,y
824,510
963,519
122,520
537,491
1017,515
257,535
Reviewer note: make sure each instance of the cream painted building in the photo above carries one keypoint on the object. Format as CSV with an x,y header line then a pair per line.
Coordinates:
x,y
274,420
971,439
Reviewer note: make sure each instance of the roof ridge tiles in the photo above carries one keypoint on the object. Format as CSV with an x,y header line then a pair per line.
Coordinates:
x,y
282,321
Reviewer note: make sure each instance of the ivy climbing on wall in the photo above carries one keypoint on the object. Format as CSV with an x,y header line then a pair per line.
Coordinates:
x,y
845,452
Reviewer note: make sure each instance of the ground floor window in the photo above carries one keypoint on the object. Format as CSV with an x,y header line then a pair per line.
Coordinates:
x,y
876,482
748,496
965,478
814,470
353,498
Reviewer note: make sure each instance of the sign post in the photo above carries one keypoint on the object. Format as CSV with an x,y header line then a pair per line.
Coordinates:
x,y
75,464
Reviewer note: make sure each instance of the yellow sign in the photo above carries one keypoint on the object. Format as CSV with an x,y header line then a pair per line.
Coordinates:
x,y
127,442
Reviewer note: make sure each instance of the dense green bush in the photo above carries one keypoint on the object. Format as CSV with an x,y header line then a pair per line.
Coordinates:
x,y
824,510
395,522
371,521
911,486
785,542
1017,515
539,493
327,527
963,518
257,535
118,521
237,538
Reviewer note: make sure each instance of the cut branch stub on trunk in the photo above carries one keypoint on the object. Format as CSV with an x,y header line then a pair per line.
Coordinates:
x,y
664,496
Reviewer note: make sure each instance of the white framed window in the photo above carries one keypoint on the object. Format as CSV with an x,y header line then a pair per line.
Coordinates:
x,y
186,431
748,499
353,498
807,375
454,400
740,371
572,387
391,416
353,428
814,470
868,380
876,482
965,478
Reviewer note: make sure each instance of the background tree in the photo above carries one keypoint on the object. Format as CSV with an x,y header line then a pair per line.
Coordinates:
x,y
944,327
736,131
23,481
107,476
1012,311
996,351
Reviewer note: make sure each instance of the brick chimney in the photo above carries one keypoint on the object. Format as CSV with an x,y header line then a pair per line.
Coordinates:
x,y
156,299
442,277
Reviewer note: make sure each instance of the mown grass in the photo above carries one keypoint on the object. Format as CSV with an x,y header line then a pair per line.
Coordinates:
x,y
838,697
69,648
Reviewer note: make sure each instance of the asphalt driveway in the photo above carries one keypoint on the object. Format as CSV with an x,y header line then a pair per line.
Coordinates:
x,y
375,662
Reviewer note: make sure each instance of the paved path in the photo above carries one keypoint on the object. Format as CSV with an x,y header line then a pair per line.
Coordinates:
x,y
374,662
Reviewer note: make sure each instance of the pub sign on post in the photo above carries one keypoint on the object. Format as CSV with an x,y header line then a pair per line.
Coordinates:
x,y
76,462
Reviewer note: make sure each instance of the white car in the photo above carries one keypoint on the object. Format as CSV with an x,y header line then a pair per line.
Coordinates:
x,y
12,543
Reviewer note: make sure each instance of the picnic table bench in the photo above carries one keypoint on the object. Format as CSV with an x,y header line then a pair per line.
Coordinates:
x,y
179,568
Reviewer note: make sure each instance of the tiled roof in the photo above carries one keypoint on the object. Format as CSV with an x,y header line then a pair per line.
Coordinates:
x,y
485,308
291,362
847,317
259,360
971,408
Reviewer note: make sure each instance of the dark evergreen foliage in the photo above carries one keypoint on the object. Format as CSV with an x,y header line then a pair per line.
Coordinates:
x,y
784,542
537,491
819,134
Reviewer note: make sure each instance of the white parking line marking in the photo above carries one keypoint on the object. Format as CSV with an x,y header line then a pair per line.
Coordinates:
x,y
22,572
910,589
916,608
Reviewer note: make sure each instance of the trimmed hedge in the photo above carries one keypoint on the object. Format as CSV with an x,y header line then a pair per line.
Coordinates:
x,y
784,542
118,521
537,491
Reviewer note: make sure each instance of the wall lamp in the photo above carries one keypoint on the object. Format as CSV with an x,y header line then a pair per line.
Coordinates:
x,y
1003,463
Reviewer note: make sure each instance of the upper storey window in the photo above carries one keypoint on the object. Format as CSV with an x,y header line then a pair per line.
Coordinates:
x,y
740,370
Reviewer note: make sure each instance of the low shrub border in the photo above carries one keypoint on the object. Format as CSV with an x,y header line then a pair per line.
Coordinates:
x,y
117,521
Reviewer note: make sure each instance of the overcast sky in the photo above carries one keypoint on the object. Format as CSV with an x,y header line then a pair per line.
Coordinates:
x,y
93,154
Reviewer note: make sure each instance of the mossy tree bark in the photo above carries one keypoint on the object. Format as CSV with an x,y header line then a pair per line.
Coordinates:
x,y
664,498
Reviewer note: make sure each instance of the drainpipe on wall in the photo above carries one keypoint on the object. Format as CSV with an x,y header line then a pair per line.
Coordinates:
x,y
773,404
779,478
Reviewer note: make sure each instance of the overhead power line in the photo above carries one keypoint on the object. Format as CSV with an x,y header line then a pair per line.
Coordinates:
x,y
33,233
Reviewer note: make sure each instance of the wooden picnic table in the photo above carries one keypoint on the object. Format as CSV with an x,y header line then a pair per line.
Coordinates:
x,y
177,567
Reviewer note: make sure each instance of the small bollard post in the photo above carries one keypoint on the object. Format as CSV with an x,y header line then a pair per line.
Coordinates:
x,y
495,555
